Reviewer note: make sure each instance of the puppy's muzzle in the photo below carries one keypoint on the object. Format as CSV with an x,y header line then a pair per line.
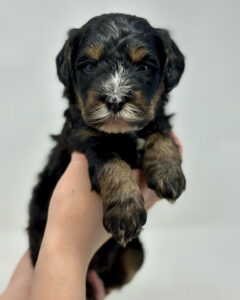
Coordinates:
x,y
114,103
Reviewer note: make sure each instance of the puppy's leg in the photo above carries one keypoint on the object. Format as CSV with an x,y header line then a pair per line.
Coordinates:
x,y
123,203
162,166
116,265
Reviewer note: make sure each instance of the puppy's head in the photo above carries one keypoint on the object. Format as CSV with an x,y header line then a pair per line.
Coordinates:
x,y
115,69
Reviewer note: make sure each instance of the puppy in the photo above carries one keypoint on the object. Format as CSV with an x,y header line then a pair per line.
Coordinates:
x,y
117,72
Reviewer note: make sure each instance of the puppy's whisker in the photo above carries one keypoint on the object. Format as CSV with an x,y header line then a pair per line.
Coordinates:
x,y
131,113
98,113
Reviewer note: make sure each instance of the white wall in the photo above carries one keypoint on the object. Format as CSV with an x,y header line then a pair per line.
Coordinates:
x,y
192,247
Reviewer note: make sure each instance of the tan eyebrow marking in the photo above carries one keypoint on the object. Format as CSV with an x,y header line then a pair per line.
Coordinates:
x,y
137,53
95,51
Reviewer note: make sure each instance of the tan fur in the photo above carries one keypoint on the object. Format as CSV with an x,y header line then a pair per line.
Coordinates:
x,y
93,109
95,51
122,201
155,100
158,145
120,123
137,53
139,100
131,262
116,177
116,126
69,54
86,133
162,166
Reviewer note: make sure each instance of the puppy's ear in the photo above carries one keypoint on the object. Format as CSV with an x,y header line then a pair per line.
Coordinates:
x,y
64,58
174,60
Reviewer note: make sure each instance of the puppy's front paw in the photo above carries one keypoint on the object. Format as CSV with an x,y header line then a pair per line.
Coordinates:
x,y
167,179
124,218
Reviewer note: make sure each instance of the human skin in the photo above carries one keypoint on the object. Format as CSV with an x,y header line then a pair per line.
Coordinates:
x,y
74,232
70,240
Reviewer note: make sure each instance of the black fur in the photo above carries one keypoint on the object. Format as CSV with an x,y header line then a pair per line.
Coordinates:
x,y
150,77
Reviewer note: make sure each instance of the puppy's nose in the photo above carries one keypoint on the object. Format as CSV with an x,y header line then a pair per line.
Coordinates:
x,y
114,103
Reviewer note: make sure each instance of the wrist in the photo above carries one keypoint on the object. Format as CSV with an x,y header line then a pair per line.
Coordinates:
x,y
58,247
78,231
61,254
60,269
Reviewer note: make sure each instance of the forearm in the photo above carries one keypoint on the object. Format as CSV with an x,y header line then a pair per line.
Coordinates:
x,y
19,286
59,275
73,233
62,264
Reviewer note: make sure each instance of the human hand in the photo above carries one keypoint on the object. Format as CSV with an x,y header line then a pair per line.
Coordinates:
x,y
19,287
75,206
74,229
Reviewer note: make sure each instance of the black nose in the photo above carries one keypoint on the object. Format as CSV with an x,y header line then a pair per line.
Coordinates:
x,y
114,103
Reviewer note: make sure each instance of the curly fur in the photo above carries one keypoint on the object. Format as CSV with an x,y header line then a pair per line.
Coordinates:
x,y
117,71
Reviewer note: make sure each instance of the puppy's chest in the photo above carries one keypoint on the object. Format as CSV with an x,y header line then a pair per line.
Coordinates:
x,y
140,143
130,148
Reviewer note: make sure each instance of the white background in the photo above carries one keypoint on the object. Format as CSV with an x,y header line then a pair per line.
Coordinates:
x,y
192,247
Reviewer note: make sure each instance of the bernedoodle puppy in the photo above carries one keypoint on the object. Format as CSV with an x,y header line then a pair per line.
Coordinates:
x,y
117,71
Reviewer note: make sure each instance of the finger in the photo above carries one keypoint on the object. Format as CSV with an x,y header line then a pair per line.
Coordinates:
x,y
97,284
150,199
177,142
139,177
78,156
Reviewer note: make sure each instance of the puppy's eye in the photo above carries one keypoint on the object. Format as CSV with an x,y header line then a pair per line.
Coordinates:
x,y
88,68
144,68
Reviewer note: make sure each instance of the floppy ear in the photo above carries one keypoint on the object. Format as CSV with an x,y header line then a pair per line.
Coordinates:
x,y
174,60
64,57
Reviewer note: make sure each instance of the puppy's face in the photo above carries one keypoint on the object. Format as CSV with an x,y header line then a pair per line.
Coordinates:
x,y
115,69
